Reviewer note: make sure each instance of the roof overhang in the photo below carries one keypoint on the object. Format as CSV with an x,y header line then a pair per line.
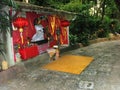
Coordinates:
x,y
46,10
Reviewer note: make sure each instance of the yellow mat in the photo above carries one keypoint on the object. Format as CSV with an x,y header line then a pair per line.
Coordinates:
x,y
69,63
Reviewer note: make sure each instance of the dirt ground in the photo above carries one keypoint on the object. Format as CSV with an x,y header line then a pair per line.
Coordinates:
x,y
102,74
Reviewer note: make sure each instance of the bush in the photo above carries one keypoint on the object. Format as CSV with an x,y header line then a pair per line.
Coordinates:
x,y
104,28
83,29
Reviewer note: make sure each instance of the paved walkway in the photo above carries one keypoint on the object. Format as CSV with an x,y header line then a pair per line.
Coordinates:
x,y
102,74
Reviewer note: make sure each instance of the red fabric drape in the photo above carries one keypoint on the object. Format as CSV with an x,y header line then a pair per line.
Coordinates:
x,y
64,36
52,27
31,29
54,23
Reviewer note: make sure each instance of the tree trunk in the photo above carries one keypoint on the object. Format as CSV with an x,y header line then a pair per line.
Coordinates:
x,y
103,9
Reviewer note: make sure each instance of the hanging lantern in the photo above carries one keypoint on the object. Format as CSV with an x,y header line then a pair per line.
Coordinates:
x,y
20,22
65,23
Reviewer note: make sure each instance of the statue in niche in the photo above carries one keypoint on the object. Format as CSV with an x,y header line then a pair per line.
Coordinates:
x,y
38,37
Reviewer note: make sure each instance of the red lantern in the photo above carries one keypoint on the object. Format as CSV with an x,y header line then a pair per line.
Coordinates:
x,y
65,23
20,22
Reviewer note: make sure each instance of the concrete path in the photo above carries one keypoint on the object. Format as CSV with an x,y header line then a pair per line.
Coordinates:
x,y
102,74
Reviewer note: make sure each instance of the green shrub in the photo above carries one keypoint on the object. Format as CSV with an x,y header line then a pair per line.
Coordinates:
x,y
83,29
104,29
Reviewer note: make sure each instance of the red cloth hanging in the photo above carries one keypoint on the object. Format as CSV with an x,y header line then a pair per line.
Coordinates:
x,y
31,29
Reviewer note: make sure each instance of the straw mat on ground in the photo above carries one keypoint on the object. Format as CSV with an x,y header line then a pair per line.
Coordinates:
x,y
69,63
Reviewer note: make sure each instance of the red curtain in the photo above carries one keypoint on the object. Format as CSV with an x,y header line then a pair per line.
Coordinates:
x,y
64,35
31,29
54,23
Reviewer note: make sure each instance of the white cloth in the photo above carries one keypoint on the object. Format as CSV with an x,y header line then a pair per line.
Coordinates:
x,y
39,35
